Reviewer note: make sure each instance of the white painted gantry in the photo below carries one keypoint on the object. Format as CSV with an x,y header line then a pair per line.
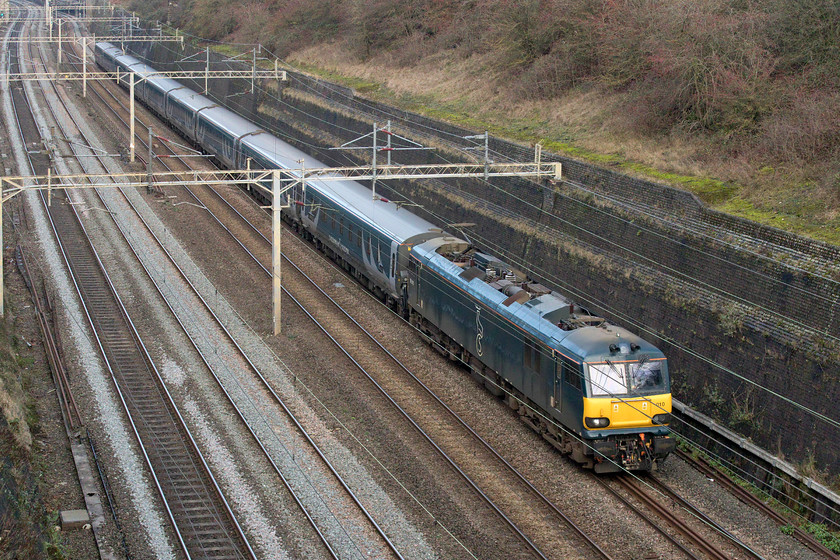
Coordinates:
x,y
85,41
253,74
84,76
281,180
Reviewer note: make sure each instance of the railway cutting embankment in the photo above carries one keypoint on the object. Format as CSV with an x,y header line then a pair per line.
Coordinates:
x,y
745,312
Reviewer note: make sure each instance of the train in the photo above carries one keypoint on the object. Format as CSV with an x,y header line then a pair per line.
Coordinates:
x,y
594,390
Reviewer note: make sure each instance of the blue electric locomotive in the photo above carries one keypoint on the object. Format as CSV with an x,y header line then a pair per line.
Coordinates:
x,y
592,389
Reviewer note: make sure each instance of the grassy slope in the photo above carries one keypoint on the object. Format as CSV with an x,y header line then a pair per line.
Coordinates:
x,y
586,126
736,102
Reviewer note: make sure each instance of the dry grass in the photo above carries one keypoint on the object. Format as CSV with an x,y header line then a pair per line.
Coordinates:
x,y
733,101
595,125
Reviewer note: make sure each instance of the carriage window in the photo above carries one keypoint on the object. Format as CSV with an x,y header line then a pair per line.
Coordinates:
x,y
341,226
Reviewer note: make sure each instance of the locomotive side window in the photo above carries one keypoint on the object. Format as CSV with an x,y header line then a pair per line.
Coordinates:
x,y
309,204
572,373
531,356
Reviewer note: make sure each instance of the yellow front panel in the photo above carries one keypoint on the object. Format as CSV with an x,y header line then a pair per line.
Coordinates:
x,y
629,412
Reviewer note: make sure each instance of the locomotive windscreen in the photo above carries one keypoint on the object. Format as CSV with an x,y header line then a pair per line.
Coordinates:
x,y
634,378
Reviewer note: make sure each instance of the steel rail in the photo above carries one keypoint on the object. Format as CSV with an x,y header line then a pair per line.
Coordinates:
x,y
588,540
67,403
516,530
806,538
323,293
750,499
115,366
27,274
510,467
69,411
694,511
653,504
288,411
684,503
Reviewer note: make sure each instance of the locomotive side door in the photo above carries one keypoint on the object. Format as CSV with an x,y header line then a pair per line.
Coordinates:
x,y
557,396
392,268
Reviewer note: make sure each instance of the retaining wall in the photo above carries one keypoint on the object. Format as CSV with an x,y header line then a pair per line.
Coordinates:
x,y
722,297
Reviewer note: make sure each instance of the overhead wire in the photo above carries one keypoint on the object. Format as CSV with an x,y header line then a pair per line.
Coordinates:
x,y
414,124
317,147
652,331
828,300
672,341
542,273
658,335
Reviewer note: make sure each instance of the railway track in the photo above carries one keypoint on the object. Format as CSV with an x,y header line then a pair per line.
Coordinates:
x,y
750,499
201,518
259,248
667,505
107,97
346,333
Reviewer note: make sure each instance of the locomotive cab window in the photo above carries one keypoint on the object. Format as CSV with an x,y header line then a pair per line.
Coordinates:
x,y
606,380
646,377
636,378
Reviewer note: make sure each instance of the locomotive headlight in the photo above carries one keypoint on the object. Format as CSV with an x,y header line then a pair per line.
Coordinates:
x,y
596,422
662,419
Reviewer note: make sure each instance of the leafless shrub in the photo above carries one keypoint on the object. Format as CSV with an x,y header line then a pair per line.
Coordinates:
x,y
806,129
